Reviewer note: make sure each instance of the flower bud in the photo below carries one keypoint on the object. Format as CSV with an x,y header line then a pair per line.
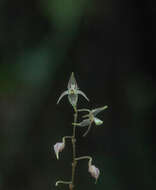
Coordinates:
x,y
58,147
94,172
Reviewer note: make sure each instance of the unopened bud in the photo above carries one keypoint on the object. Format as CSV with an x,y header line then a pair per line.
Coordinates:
x,y
95,172
58,147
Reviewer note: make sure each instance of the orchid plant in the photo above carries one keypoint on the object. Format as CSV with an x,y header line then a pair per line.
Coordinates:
x,y
89,119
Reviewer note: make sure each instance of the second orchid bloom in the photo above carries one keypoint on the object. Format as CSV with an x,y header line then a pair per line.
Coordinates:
x,y
90,118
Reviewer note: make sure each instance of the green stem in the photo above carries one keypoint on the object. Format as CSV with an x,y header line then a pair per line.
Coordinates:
x,y
87,130
71,186
63,182
85,157
79,110
66,137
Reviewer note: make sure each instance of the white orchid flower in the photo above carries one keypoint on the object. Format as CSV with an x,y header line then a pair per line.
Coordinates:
x,y
91,118
72,92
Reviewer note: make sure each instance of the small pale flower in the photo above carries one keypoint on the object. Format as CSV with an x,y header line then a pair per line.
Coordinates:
x,y
91,118
72,92
87,122
94,171
58,147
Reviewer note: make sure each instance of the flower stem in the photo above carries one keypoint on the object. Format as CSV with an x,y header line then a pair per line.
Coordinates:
x,y
66,137
85,157
83,110
63,182
87,130
74,162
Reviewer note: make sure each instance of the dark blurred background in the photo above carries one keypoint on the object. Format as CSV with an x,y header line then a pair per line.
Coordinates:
x,y
110,46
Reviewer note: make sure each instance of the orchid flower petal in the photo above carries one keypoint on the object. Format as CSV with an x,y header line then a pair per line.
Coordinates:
x,y
98,110
89,127
72,84
97,121
85,122
63,94
83,94
73,98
